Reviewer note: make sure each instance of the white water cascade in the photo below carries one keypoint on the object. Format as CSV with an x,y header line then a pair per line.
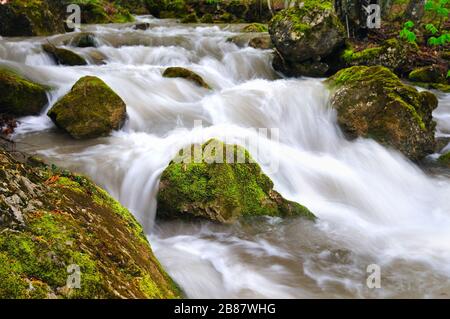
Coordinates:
x,y
374,206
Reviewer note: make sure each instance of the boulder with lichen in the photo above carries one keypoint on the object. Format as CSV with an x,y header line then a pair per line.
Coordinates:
x,y
62,236
63,56
19,96
372,102
222,183
91,109
305,37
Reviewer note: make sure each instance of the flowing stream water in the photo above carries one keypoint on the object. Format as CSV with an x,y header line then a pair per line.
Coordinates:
x,y
373,205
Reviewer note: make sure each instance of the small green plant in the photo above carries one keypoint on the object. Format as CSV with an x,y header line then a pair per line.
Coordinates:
x,y
443,39
431,28
440,9
448,73
407,34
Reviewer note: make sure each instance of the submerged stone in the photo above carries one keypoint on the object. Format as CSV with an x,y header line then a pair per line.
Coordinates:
x,y
178,72
206,181
64,56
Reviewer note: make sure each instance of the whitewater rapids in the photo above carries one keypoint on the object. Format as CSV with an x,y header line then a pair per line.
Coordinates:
x,y
374,206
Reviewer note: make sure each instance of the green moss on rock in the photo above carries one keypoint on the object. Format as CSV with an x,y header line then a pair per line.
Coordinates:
x,y
306,36
432,77
31,18
19,96
373,102
445,159
220,187
64,56
101,11
396,55
91,109
256,27
190,18
207,18
178,72
65,220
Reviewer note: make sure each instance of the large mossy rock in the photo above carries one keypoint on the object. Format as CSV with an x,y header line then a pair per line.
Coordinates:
x,y
54,223
91,109
373,102
19,96
102,11
396,55
31,18
45,17
305,37
432,76
64,56
204,182
178,72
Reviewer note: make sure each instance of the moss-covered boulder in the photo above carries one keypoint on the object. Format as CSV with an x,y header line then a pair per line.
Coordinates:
x,y
306,35
372,102
396,55
256,27
19,96
55,225
431,73
432,76
445,159
31,18
221,183
207,18
83,40
190,18
102,11
91,109
178,72
63,56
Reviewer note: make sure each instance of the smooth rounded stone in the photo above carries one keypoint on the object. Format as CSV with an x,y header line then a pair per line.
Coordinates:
x,y
179,72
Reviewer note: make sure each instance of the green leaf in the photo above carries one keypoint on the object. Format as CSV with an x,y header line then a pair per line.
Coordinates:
x,y
431,28
409,24
429,5
433,41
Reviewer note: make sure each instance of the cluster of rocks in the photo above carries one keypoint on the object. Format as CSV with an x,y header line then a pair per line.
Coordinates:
x,y
367,91
310,40
45,17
